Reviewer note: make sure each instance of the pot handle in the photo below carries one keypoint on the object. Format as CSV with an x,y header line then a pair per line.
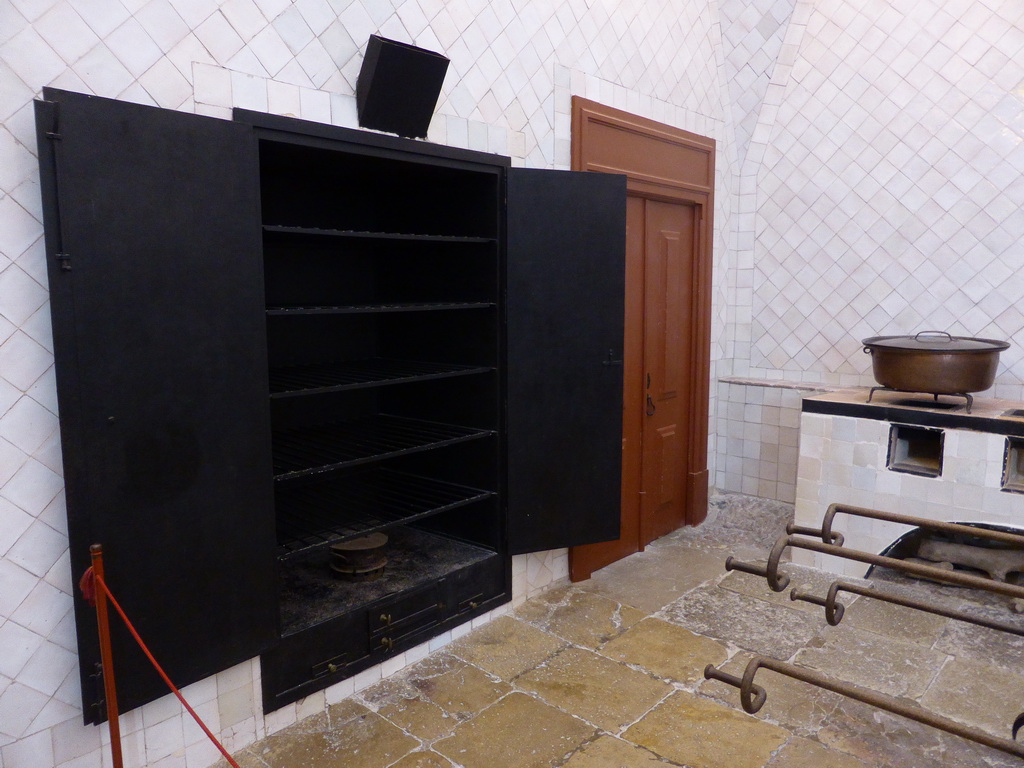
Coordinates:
x,y
949,338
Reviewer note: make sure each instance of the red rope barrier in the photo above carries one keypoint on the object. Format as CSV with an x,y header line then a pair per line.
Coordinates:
x,y
99,582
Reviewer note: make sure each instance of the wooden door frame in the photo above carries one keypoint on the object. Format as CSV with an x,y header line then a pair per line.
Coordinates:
x,y
691,181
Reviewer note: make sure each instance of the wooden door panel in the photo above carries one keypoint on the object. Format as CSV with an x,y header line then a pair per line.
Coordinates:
x,y
670,229
662,348
666,446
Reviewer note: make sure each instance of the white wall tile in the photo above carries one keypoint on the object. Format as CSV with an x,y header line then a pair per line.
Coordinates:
x,y
19,705
66,32
245,17
219,37
166,84
37,549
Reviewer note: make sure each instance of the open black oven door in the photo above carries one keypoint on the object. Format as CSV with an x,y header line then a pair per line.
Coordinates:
x,y
153,250
565,313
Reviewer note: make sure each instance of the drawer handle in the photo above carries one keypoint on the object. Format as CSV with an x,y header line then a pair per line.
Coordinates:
x,y
388,643
385,619
332,668
474,604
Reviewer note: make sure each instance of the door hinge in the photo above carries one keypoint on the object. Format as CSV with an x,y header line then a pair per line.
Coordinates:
x,y
50,109
99,703
64,259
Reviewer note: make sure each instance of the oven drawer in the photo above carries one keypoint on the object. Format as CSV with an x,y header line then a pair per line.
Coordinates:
x,y
315,658
477,588
395,619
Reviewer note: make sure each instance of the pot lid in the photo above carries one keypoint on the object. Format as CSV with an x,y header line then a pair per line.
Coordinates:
x,y
936,341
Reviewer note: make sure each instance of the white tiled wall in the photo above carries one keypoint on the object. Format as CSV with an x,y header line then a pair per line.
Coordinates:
x,y
759,434
514,66
882,188
752,34
890,190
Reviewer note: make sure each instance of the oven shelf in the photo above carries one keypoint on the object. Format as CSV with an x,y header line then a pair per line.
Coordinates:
x,y
316,516
307,451
369,309
301,380
278,230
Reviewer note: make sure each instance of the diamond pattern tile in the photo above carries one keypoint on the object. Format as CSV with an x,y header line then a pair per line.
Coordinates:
x,y
893,184
752,36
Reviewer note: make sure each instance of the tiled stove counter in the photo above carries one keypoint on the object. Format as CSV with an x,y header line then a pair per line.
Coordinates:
x,y
951,465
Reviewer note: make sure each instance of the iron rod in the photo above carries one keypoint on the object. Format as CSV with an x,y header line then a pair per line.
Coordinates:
x,y
927,571
856,692
1003,537
907,602
777,581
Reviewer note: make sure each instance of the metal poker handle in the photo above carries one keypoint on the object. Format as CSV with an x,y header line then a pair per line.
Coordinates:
x,y
833,610
752,696
777,581
829,537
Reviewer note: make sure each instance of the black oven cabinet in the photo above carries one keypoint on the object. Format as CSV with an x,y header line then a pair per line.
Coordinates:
x,y
171,240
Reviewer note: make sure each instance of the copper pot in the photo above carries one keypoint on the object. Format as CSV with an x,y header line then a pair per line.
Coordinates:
x,y
934,362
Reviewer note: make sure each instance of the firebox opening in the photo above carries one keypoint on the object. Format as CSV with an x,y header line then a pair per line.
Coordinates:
x,y
916,450
961,552
1013,465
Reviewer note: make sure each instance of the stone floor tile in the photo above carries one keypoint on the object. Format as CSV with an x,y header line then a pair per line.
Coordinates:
x,y
883,664
885,740
652,579
422,719
699,733
583,618
801,708
895,621
517,732
990,646
366,741
750,623
609,752
803,753
431,697
963,686
506,647
342,712
400,703
666,650
423,760
603,692
737,521
461,692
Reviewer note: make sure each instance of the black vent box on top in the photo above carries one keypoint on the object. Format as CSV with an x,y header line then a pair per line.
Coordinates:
x,y
398,87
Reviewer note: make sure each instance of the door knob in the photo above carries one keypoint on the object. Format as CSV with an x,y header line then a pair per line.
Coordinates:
x,y
650,406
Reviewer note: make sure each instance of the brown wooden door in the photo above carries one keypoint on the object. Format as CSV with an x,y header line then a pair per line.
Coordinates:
x,y
667,316
667,303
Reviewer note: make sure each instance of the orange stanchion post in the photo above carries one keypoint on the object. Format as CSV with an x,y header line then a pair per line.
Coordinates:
x,y
107,659
94,583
